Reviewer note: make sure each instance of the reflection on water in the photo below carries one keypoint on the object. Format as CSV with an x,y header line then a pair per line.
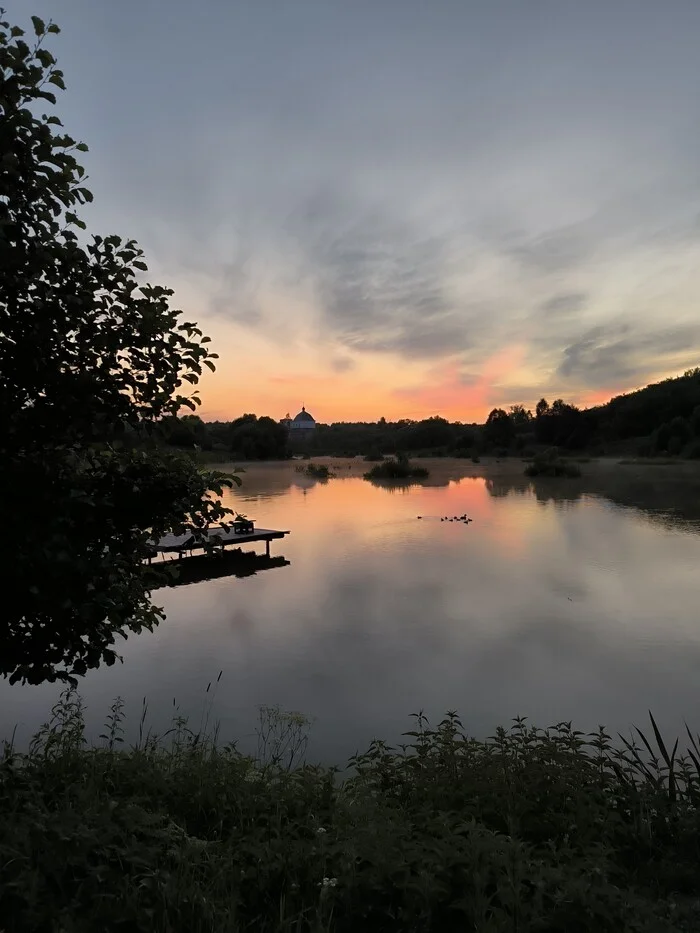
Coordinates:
x,y
198,568
573,600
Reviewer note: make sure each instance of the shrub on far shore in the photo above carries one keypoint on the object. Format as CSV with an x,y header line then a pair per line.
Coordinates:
x,y
398,467
549,463
316,471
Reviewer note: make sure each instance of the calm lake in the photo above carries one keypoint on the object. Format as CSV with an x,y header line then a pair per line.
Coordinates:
x,y
563,599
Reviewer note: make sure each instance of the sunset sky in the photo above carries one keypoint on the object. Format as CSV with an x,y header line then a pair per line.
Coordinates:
x,y
402,208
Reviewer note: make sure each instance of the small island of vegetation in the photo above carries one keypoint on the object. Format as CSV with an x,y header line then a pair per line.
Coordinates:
x,y
316,471
549,463
396,468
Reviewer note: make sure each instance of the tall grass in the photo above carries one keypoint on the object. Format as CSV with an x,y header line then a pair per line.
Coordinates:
x,y
530,830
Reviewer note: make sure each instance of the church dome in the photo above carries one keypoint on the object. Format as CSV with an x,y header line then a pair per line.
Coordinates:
x,y
304,416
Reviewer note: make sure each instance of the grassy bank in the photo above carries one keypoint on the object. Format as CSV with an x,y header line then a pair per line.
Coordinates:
x,y
530,830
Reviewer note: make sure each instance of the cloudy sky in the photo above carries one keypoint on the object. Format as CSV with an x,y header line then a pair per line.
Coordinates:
x,y
402,207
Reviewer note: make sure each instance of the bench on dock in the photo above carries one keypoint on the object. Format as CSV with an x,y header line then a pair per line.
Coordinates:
x,y
217,537
243,525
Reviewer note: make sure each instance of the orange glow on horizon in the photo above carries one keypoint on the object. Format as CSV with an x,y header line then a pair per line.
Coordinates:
x,y
393,391
367,388
599,397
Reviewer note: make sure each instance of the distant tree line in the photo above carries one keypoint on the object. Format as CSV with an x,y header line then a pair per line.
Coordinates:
x,y
661,419
247,438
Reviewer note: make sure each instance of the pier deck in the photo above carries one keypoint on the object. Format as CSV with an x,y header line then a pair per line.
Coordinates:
x,y
218,537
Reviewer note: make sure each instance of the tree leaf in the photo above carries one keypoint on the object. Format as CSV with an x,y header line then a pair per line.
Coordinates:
x,y
45,57
95,363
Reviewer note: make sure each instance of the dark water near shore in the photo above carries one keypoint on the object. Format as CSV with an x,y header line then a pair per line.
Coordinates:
x,y
561,600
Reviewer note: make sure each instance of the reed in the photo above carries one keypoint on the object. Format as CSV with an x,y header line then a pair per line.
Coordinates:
x,y
528,830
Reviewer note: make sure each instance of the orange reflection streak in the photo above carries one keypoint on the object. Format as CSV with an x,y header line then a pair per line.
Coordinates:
x,y
276,496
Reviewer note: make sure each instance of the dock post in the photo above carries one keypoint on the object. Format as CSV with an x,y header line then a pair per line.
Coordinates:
x,y
267,547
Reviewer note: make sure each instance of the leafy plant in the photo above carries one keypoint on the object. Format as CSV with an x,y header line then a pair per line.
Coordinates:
x,y
528,830
92,358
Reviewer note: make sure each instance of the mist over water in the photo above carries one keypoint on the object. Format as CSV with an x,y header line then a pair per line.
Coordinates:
x,y
560,600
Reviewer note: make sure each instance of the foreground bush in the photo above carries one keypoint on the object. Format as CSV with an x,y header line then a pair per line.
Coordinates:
x,y
396,468
530,830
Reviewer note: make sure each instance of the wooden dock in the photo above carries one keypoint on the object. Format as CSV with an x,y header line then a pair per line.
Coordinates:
x,y
216,537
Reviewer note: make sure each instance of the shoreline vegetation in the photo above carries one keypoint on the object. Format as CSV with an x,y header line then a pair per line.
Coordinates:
x,y
659,421
529,830
397,468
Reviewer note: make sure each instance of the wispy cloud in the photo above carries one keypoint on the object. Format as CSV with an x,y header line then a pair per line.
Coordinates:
x,y
410,189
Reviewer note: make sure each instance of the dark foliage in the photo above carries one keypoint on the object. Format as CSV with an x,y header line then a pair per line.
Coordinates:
x,y
499,428
396,468
563,425
90,361
253,438
549,463
530,830
316,471
668,411
659,412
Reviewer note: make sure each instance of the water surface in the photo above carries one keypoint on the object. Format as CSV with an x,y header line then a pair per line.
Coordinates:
x,y
561,600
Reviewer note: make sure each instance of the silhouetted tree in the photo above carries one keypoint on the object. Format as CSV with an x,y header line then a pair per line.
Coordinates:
x,y
187,431
695,421
254,438
431,433
561,425
89,361
521,418
499,429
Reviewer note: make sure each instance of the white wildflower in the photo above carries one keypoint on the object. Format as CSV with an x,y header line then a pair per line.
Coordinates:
x,y
327,883
321,830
